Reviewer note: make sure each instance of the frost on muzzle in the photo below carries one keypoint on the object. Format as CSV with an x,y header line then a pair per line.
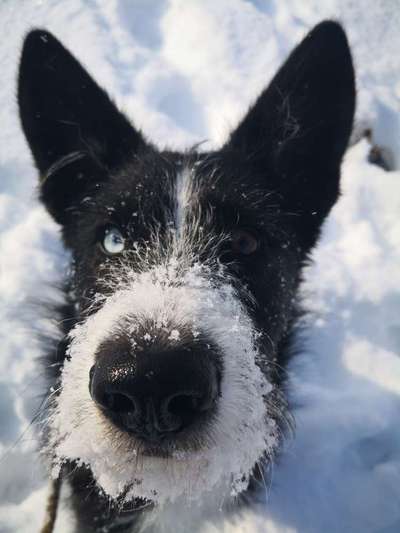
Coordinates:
x,y
196,312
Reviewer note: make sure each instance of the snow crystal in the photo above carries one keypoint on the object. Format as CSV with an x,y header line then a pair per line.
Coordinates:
x,y
174,335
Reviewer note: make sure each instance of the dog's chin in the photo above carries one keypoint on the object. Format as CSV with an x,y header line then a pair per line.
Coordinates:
x,y
134,469
155,450
189,440
166,449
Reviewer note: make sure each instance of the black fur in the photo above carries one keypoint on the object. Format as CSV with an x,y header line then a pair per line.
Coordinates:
x,y
277,176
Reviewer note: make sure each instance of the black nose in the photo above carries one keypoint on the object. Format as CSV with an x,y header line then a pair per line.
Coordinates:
x,y
155,394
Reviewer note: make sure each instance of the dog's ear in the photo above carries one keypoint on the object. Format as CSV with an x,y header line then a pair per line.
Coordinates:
x,y
296,133
75,132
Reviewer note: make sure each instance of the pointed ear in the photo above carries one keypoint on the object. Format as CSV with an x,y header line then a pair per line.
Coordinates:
x,y
296,133
75,132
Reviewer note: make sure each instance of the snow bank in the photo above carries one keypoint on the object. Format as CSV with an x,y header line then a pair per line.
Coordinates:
x,y
186,71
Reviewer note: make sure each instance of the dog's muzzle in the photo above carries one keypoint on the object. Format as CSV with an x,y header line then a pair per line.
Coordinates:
x,y
158,392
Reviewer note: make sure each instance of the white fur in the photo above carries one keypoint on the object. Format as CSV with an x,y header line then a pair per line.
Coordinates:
x,y
183,195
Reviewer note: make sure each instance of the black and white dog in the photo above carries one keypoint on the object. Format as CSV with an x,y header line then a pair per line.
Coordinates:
x,y
180,308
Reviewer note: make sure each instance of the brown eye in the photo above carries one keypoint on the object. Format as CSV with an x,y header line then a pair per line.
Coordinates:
x,y
244,242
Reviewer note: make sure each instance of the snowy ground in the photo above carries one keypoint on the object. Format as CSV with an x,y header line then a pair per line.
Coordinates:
x,y
186,70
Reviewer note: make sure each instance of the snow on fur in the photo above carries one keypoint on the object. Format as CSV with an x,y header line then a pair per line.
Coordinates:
x,y
242,432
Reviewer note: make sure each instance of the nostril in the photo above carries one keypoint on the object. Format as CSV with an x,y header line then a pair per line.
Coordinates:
x,y
102,392
118,403
184,405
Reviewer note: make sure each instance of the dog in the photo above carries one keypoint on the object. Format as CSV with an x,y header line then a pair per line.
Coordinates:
x,y
166,384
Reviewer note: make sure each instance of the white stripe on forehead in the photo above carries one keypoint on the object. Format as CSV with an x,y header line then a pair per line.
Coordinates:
x,y
183,193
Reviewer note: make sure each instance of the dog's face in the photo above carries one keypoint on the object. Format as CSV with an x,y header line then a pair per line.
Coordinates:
x,y
185,267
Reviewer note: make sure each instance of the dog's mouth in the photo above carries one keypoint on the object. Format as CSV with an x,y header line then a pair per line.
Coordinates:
x,y
171,437
162,450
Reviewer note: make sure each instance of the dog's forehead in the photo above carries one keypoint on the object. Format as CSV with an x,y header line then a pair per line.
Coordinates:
x,y
168,183
165,173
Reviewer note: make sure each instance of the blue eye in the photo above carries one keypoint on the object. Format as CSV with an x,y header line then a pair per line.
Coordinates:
x,y
113,241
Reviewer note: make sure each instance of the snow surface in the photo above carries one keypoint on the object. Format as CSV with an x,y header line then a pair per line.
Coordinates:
x,y
186,70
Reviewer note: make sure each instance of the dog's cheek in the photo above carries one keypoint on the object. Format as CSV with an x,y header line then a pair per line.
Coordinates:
x,y
271,283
